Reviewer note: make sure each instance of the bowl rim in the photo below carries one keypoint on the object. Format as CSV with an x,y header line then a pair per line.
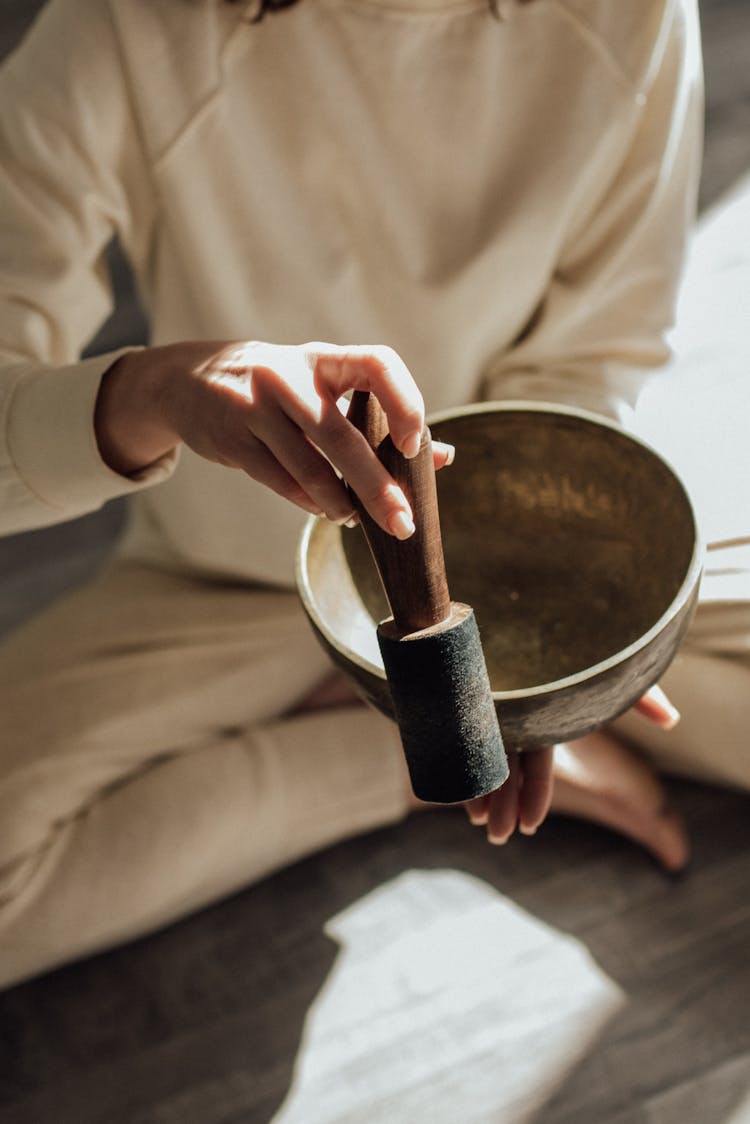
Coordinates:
x,y
676,606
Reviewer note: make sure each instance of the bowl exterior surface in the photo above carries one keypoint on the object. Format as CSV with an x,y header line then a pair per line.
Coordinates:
x,y
657,553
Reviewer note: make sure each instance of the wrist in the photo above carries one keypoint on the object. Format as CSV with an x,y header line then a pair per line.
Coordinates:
x,y
130,422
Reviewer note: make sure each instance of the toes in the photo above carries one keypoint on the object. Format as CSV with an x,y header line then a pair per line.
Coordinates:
x,y
672,846
662,833
598,779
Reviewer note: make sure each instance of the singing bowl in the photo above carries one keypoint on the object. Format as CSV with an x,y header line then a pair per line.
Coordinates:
x,y
576,545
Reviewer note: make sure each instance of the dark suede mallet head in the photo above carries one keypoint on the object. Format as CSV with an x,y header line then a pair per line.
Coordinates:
x,y
430,646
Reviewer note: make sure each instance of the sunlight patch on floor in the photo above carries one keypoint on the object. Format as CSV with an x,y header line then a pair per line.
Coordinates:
x,y
446,1002
741,1114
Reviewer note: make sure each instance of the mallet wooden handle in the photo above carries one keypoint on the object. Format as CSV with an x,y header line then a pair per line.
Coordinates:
x,y
412,570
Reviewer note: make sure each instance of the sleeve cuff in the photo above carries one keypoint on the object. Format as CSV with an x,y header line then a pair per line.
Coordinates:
x,y
53,445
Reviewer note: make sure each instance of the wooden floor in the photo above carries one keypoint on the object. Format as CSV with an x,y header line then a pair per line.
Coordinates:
x,y
415,975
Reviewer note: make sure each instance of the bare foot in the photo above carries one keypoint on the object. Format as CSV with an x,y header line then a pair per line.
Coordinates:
x,y
597,778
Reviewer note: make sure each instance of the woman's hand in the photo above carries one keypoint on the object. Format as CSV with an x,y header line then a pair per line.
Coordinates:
x,y
525,798
273,411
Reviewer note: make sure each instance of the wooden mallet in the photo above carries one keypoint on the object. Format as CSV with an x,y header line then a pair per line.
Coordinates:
x,y
431,650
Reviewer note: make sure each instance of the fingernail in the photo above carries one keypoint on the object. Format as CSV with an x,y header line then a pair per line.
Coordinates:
x,y
400,524
345,520
451,453
478,820
498,840
353,522
669,721
526,830
410,447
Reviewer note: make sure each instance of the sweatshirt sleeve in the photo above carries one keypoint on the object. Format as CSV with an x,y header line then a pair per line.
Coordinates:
x,y
72,173
603,323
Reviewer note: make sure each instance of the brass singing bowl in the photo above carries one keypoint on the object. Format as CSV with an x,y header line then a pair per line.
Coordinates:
x,y
576,545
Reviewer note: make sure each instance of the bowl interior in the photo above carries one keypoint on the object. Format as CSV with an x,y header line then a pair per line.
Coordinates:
x,y
569,539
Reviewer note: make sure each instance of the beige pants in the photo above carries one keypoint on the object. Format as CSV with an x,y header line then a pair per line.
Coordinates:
x,y
147,768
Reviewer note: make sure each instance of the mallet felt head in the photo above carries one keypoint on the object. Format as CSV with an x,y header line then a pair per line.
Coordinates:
x,y
443,705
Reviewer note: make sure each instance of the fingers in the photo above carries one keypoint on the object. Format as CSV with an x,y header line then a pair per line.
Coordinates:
x,y
443,454
380,370
303,464
524,799
656,707
503,804
335,371
331,440
478,810
536,791
287,400
263,466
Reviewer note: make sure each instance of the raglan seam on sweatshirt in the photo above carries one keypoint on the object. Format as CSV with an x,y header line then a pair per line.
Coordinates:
x,y
206,104
142,238
600,47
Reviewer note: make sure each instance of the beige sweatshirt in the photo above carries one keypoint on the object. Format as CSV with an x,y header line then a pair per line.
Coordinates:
x,y
504,201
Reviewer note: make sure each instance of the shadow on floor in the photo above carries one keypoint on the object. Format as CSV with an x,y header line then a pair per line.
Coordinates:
x,y
209,1020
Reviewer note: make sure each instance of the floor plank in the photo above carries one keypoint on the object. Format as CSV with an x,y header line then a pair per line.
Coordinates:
x,y
414,974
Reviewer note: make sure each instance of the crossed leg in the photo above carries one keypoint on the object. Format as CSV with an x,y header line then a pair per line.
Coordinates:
x,y
167,741
149,763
